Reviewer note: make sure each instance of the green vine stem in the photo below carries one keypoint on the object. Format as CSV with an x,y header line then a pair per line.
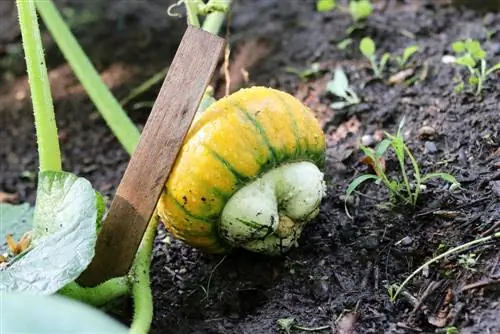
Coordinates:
x,y
111,110
99,295
213,21
43,109
443,255
141,288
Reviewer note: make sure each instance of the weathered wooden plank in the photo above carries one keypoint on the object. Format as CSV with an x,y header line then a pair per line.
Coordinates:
x,y
140,188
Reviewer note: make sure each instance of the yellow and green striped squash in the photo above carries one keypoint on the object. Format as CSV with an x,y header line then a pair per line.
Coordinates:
x,y
233,142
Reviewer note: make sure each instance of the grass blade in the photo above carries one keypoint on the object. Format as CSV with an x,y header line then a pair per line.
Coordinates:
x,y
354,184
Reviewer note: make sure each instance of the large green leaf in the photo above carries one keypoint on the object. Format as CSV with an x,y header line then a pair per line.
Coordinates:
x,y
23,313
15,220
64,236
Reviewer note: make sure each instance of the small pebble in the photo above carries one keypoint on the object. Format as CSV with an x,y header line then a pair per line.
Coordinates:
x,y
426,131
448,59
367,140
430,147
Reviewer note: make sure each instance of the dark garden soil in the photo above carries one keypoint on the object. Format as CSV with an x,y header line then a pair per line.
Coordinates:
x,y
339,276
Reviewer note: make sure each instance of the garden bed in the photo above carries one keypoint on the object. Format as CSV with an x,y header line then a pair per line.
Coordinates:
x,y
343,266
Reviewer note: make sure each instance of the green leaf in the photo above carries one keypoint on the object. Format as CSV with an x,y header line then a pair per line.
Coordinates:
x,y
367,47
458,46
473,80
64,236
339,105
338,86
466,60
343,44
382,147
369,152
325,5
408,52
15,220
357,181
25,313
360,9
384,60
493,69
444,176
286,324
475,49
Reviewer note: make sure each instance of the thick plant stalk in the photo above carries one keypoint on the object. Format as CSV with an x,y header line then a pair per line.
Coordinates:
x,y
99,295
141,286
213,21
43,108
111,110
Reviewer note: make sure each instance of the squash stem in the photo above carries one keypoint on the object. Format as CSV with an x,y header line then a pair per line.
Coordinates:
x,y
141,288
99,295
213,21
109,108
43,108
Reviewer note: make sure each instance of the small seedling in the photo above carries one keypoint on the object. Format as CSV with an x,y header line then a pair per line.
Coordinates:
x,y
406,55
343,44
471,55
468,261
400,188
339,86
310,72
360,10
435,259
368,49
325,5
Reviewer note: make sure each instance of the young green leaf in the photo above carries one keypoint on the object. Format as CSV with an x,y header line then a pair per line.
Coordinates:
x,y
26,313
343,44
354,184
475,49
64,236
466,60
360,9
444,176
15,220
339,85
367,47
458,46
408,52
339,105
493,69
358,181
382,147
383,61
325,5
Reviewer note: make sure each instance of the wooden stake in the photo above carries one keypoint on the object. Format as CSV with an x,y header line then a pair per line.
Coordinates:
x,y
140,188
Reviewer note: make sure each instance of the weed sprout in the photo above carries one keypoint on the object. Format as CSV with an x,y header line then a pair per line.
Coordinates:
x,y
368,49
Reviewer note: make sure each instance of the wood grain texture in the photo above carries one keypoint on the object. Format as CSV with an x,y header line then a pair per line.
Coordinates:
x,y
140,188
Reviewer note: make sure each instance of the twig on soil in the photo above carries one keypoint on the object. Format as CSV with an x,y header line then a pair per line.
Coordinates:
x,y
480,284
457,249
433,286
492,229
471,203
